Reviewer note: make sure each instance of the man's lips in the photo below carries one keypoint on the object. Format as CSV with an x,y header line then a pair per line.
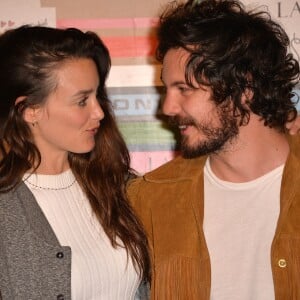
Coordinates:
x,y
185,128
183,124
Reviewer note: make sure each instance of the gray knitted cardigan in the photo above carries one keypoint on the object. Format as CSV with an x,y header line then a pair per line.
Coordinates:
x,y
33,265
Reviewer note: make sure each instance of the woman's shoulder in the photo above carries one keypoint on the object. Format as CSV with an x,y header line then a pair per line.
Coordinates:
x,y
19,191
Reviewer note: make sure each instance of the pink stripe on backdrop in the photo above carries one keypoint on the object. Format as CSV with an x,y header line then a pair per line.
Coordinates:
x,y
119,46
108,23
130,46
146,161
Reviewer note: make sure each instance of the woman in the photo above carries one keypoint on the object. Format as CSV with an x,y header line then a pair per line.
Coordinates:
x,y
66,228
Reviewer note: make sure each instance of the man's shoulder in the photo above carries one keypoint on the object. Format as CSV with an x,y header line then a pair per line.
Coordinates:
x,y
161,186
175,170
294,143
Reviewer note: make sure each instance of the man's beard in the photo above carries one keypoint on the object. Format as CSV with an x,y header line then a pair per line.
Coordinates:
x,y
215,138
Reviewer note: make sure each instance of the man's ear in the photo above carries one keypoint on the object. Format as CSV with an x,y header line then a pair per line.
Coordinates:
x,y
247,97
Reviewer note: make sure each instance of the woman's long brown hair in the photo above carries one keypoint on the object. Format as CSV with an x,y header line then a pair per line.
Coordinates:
x,y
29,56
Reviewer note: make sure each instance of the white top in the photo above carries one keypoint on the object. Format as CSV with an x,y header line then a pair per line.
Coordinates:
x,y
99,272
239,225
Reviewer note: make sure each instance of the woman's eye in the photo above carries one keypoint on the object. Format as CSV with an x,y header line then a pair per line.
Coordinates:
x,y
82,102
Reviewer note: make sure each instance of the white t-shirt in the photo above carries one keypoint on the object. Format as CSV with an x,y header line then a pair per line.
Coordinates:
x,y
98,272
239,225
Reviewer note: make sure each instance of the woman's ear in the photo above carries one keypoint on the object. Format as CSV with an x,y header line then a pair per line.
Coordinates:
x,y
20,99
30,113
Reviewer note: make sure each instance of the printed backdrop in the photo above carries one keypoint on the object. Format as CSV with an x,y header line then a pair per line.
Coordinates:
x,y
128,29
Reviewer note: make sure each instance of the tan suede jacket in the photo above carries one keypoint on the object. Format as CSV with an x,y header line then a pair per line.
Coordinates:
x,y
169,201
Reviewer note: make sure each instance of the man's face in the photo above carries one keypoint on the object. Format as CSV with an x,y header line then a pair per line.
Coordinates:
x,y
205,128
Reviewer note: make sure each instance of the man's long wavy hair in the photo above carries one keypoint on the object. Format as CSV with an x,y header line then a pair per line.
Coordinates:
x,y
29,56
232,51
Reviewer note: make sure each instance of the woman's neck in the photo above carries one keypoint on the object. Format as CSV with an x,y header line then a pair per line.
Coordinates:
x,y
52,166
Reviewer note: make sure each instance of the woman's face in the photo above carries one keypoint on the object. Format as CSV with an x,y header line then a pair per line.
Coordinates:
x,y
70,116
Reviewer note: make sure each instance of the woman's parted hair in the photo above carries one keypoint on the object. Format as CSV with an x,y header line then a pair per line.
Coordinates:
x,y
29,56
232,50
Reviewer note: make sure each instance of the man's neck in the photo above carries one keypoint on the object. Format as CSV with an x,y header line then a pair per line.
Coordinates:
x,y
256,151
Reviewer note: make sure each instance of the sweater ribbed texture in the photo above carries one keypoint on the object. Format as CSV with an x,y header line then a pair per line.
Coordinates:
x,y
99,272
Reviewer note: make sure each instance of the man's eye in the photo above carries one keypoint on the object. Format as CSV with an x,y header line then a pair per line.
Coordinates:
x,y
183,89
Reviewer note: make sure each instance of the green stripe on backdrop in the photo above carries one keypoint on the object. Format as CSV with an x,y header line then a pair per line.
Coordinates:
x,y
146,136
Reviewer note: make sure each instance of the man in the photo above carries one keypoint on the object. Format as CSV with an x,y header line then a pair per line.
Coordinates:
x,y
223,219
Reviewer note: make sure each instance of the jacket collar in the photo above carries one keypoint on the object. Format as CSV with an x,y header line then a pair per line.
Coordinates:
x,y
178,169
294,143
290,180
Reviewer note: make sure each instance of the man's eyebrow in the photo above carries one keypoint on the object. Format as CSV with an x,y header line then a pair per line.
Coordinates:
x,y
175,83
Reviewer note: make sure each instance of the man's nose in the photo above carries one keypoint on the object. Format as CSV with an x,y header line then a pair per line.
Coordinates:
x,y
170,105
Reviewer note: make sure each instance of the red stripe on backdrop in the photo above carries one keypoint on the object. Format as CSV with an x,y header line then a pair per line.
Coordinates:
x,y
130,46
108,23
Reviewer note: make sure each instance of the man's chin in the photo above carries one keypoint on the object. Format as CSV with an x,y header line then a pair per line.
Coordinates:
x,y
189,152
193,152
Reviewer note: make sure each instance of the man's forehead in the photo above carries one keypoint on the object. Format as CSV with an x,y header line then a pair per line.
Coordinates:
x,y
174,64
